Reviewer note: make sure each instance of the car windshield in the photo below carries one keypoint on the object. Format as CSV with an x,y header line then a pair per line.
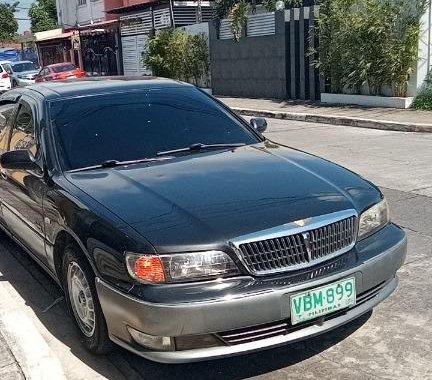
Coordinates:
x,y
63,68
138,125
25,66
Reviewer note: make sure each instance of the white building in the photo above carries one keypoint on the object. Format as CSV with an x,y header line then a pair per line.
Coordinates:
x,y
72,13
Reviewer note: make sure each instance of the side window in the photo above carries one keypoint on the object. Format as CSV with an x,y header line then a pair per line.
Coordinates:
x,y
23,131
8,68
6,114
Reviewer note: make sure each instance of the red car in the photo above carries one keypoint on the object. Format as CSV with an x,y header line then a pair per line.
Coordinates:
x,y
60,71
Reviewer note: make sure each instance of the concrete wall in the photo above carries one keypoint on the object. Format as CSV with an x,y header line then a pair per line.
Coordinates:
x,y
253,67
111,4
425,54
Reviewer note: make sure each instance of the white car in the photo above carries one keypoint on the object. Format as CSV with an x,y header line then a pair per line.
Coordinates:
x,y
23,73
5,78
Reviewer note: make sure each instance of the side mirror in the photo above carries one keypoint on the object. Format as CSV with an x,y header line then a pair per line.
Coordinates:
x,y
19,160
259,124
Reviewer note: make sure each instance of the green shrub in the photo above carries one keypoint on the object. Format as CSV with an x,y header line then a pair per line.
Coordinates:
x,y
173,53
156,54
422,102
368,42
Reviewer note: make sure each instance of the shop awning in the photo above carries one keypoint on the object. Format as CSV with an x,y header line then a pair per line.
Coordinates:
x,y
60,36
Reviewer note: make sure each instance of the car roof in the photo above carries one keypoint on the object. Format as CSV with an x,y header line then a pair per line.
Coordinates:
x,y
16,62
60,64
57,90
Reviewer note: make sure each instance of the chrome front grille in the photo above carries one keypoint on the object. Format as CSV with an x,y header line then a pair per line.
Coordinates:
x,y
306,245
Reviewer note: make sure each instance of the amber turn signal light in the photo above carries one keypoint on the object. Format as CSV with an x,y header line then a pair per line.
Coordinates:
x,y
146,268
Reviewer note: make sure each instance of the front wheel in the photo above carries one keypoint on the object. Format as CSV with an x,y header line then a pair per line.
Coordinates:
x,y
83,303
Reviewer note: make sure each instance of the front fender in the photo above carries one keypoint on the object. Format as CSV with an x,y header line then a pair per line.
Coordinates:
x,y
101,235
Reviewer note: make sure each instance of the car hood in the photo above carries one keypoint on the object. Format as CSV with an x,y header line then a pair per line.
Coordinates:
x,y
206,199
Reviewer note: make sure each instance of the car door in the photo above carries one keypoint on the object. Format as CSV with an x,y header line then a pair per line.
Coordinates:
x,y
23,191
41,76
48,75
7,110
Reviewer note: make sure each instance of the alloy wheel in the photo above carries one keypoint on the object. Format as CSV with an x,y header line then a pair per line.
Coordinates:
x,y
81,299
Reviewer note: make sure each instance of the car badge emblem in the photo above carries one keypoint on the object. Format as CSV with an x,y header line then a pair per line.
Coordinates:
x,y
300,223
308,245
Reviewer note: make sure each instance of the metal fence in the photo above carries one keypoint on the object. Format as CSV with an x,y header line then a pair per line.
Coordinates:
x,y
263,24
272,59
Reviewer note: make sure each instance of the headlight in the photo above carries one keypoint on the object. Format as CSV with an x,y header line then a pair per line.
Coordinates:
x,y
21,76
373,219
179,267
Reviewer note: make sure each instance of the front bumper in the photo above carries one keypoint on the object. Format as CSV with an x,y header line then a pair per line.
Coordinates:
x,y
376,262
24,82
4,88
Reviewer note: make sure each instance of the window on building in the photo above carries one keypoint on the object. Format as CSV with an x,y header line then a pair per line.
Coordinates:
x,y
82,2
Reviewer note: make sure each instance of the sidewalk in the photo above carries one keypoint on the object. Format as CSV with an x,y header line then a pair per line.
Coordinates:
x,y
9,368
355,116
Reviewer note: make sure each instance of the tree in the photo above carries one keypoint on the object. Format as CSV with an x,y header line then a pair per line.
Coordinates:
x,y
43,15
8,24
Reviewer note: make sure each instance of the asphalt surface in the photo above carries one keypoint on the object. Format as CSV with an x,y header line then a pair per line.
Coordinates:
x,y
393,342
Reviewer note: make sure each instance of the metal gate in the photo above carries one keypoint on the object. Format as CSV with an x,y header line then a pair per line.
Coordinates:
x,y
99,54
133,48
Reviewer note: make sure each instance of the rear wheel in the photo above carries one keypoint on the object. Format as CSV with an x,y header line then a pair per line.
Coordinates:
x,y
83,303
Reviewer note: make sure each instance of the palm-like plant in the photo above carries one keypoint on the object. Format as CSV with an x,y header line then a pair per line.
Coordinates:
x,y
369,42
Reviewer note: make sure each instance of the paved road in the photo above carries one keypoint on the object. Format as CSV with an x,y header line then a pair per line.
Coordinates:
x,y
395,342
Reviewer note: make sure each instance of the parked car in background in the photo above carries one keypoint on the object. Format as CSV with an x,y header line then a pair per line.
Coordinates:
x,y
23,73
10,55
60,71
177,230
5,78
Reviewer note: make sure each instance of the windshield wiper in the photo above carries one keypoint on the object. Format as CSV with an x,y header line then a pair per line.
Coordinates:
x,y
114,163
198,147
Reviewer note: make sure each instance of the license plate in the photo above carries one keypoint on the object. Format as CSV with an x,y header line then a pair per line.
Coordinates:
x,y
327,299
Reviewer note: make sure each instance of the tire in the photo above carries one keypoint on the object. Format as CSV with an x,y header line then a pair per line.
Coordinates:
x,y
82,301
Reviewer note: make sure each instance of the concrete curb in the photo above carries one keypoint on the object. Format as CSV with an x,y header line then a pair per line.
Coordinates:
x,y
338,120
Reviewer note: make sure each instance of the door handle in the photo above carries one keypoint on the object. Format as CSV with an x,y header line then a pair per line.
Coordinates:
x,y
3,174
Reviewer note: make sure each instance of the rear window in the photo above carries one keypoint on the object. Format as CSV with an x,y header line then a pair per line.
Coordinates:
x,y
63,68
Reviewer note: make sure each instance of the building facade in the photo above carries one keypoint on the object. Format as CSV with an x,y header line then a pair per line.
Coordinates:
x,y
140,19
76,13
89,37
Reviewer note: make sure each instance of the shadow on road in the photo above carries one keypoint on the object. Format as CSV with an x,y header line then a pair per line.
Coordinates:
x,y
39,291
